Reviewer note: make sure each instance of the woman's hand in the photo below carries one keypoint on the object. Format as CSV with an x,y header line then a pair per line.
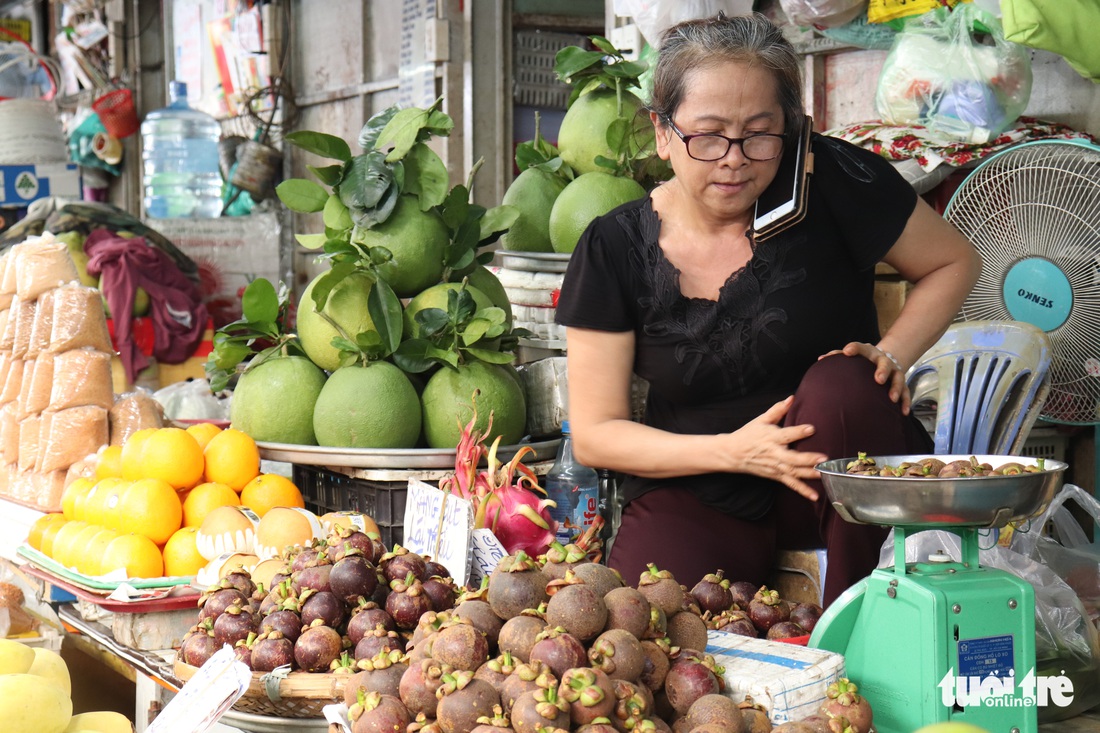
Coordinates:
x,y
763,450
887,370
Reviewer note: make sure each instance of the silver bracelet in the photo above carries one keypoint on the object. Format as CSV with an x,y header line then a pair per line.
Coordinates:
x,y
892,359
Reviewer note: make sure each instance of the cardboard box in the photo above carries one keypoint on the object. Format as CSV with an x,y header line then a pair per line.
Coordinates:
x,y
788,680
22,184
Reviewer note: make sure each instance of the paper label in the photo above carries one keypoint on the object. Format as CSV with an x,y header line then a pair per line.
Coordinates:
x,y
438,524
486,552
206,697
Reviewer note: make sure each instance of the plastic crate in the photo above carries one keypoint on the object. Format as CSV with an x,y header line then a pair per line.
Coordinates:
x,y
1046,442
536,84
380,494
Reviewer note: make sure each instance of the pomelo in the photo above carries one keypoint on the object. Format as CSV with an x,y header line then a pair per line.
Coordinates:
x,y
448,407
484,280
532,193
416,239
346,306
436,297
274,401
373,406
585,198
583,132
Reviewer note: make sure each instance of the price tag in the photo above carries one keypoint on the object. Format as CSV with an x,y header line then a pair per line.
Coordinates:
x,y
438,523
487,552
206,697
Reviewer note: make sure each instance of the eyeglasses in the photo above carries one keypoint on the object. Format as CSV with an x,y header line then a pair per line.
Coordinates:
x,y
711,146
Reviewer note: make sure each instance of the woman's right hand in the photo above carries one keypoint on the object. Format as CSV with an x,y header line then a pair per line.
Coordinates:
x,y
762,448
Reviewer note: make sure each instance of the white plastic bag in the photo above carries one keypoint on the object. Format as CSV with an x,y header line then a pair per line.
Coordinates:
x,y
823,13
654,17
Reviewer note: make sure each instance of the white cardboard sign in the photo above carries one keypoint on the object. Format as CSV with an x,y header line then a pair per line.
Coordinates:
x,y
438,523
486,552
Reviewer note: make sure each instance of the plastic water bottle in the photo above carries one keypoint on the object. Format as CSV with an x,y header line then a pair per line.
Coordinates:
x,y
180,154
575,488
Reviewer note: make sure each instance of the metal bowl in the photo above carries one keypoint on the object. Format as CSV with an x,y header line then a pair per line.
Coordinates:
x,y
978,501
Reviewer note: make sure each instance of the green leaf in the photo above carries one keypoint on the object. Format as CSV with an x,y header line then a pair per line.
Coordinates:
x,y
492,357
340,247
368,218
604,45
412,356
343,344
336,215
402,132
311,241
330,280
498,219
330,175
426,176
229,355
475,330
439,122
627,70
432,321
349,358
368,136
323,144
574,59
302,195
462,258
385,311
456,206
260,302
366,181
444,356
485,258
467,235
368,341
460,305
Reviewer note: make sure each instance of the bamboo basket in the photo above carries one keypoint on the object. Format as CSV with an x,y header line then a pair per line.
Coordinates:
x,y
300,694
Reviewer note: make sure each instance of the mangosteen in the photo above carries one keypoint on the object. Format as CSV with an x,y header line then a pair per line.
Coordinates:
x,y
441,592
589,692
374,712
407,602
785,630
842,699
560,559
242,650
278,597
735,622
579,610
306,557
559,650
381,673
462,700
691,675
538,709
658,624
717,710
353,577
653,724
364,617
381,591
661,589
497,669
602,578
480,614
712,593
272,650
234,624
516,584
317,647
767,609
344,539
461,646
314,577
434,569
241,579
656,663
632,705
754,715
806,615
418,685
687,631
199,644
599,725
377,641
423,724
742,592
519,633
527,676
399,563
498,723
216,599
619,654
343,664
323,605
627,609
428,624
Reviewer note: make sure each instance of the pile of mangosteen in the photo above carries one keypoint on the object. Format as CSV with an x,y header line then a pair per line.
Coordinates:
x,y
742,608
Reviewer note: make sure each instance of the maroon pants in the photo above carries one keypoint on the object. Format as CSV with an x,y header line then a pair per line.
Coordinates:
x,y
851,413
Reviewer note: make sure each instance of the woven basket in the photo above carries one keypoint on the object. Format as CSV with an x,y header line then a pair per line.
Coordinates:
x,y
301,694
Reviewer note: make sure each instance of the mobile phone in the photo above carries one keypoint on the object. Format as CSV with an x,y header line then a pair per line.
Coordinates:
x,y
783,202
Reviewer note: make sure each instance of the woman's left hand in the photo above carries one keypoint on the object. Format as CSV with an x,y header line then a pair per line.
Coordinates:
x,y
887,370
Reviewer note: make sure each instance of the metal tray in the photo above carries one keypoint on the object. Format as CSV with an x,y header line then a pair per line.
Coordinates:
x,y
533,261
978,501
313,455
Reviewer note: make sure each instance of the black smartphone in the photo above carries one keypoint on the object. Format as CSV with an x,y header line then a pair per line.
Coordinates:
x,y
783,202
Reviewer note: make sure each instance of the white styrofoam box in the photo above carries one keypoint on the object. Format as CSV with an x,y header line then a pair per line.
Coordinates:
x,y
526,296
510,278
533,314
787,679
542,331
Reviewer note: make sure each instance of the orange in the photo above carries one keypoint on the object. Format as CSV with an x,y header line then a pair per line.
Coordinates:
x,y
47,522
149,507
203,432
78,488
97,545
181,555
48,533
173,456
136,553
204,498
64,537
232,458
269,490
131,453
109,463
101,506
78,556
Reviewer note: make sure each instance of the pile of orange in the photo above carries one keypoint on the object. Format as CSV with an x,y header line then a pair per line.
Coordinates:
x,y
142,508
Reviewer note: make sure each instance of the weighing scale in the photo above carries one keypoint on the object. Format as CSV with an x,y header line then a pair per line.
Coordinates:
x,y
919,638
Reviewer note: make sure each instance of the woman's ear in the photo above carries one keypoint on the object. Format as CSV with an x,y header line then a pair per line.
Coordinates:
x,y
662,135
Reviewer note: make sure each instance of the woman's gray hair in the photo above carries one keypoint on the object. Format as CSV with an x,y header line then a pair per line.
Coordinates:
x,y
707,42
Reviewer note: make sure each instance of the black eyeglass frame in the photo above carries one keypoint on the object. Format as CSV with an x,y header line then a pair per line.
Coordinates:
x,y
730,141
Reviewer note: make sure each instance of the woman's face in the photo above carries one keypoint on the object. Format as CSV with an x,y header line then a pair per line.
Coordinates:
x,y
737,100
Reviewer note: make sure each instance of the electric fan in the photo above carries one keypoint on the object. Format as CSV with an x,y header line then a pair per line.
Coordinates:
x,y
1033,212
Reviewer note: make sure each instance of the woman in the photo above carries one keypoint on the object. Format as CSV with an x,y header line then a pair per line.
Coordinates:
x,y
763,358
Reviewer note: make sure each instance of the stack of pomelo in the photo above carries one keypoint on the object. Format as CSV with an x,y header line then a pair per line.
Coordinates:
x,y
142,508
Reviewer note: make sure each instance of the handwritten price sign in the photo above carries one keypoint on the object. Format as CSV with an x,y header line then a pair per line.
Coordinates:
x,y
487,552
438,523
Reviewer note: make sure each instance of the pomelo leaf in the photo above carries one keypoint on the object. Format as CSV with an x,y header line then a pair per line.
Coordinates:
x,y
627,70
336,215
402,132
467,235
260,302
328,146
412,356
366,181
379,255
494,315
368,136
368,218
460,305
492,357
368,341
330,175
230,354
329,280
463,258
443,356
484,258
606,46
475,330
385,311
432,321
574,59
302,195
455,207
340,247
497,220
425,176
311,241
439,122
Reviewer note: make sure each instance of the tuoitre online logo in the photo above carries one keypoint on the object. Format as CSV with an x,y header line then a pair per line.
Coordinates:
x,y
994,691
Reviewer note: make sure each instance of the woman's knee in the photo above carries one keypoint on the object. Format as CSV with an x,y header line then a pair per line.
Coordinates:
x,y
839,380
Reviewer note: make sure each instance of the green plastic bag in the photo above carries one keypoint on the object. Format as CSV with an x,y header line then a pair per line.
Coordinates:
x,y
1066,27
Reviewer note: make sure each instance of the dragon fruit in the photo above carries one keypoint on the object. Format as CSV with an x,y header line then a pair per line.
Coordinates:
x,y
507,503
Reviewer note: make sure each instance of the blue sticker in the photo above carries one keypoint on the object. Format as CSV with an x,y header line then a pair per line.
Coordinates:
x,y
991,655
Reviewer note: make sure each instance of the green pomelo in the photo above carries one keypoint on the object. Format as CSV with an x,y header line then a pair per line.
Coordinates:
x,y
416,239
373,406
583,132
274,401
436,297
533,193
585,198
448,407
484,280
346,306
141,304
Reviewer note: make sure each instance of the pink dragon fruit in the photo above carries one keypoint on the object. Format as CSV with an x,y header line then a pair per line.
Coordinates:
x,y
507,504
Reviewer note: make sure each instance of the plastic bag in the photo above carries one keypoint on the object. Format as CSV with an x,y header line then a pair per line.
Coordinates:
x,y
654,17
823,13
954,73
191,400
863,34
1066,28
132,412
885,11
